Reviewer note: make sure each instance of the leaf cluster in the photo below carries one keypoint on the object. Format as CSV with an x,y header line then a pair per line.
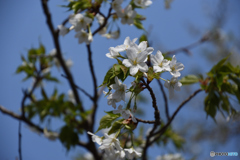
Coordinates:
x,y
36,64
118,70
223,82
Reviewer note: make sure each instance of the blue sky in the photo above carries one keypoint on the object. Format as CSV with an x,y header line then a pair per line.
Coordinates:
x,y
23,26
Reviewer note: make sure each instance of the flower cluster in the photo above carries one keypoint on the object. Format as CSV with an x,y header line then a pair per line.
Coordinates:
x,y
137,56
112,148
117,96
81,22
134,64
127,15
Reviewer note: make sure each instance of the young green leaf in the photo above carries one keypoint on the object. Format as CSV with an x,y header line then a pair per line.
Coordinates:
x,y
189,79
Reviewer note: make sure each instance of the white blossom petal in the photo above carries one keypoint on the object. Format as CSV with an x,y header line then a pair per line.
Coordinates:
x,y
127,63
133,70
142,66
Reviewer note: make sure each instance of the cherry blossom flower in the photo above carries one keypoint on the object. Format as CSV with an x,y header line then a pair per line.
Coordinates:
x,y
69,63
126,44
143,47
112,100
53,53
113,35
128,15
88,156
172,85
159,63
131,153
176,156
175,67
113,53
111,140
71,97
136,61
80,22
100,19
120,89
50,135
63,30
116,5
84,37
95,138
103,31
111,146
142,3
125,113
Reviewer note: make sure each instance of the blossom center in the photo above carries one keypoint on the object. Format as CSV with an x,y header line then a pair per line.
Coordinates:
x,y
126,16
173,67
135,62
160,64
84,35
139,1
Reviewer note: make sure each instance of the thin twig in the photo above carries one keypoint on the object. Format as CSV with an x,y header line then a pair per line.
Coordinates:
x,y
90,145
20,118
157,119
81,89
104,23
19,141
145,121
186,48
95,97
165,99
154,103
163,129
55,35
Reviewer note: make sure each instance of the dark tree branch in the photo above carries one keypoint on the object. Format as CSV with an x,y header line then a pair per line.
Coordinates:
x,y
28,122
55,35
102,14
105,21
157,119
95,96
145,121
91,146
19,117
165,99
82,90
186,48
19,141
154,103
26,94
164,128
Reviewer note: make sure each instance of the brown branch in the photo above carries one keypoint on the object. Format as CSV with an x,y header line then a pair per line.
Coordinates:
x,y
90,145
145,121
157,119
164,128
55,36
82,90
154,102
20,118
165,99
186,48
105,21
20,140
95,97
